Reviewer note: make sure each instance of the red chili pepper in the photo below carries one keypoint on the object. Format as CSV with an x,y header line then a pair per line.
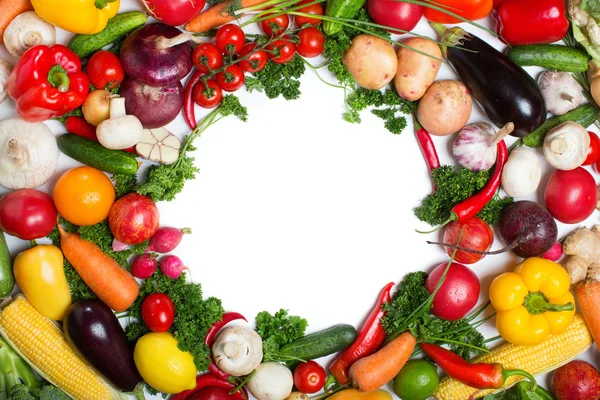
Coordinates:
x,y
80,127
188,101
215,370
478,376
209,380
216,327
522,23
47,82
369,340
427,148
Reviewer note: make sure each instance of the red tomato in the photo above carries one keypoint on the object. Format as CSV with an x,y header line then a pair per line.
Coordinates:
x,y
315,9
104,70
309,377
207,97
158,312
211,393
477,235
230,39
311,43
594,151
231,79
207,57
571,196
457,295
275,25
27,214
282,50
255,61
395,14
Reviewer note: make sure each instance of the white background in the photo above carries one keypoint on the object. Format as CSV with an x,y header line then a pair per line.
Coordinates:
x,y
298,209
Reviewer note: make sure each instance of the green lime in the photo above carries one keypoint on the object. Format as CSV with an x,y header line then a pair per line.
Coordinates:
x,y
416,381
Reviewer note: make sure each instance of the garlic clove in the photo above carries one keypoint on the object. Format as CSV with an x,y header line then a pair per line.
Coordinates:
x,y
159,145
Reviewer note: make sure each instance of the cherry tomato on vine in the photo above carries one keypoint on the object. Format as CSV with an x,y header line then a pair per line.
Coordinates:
x,y
158,312
275,25
309,377
207,57
231,79
104,70
281,50
594,151
230,39
255,61
316,9
207,97
311,43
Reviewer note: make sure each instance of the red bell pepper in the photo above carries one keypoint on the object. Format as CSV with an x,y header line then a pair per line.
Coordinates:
x,y
47,82
521,23
468,9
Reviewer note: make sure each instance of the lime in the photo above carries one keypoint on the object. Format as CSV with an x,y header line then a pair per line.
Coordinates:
x,y
416,381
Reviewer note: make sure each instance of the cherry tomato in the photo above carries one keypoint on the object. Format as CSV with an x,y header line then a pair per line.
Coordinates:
x,y
282,50
309,377
158,312
275,25
231,79
207,97
457,295
594,151
207,57
27,214
311,43
230,39
316,9
104,70
255,61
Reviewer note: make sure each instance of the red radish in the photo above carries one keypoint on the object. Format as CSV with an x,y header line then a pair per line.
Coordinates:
x,y
172,266
395,14
133,219
457,295
144,266
555,253
173,12
577,380
167,239
571,196
476,235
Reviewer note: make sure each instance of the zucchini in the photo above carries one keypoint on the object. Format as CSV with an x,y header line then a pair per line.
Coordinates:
x,y
92,153
584,115
550,56
117,27
340,9
320,344
7,279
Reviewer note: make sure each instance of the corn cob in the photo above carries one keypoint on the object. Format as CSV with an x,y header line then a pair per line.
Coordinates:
x,y
42,344
553,352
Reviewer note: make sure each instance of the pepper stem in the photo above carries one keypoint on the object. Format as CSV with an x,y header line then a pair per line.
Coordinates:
x,y
33,243
507,373
537,303
58,78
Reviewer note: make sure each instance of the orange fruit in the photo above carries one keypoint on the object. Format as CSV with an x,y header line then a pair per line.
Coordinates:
x,y
84,195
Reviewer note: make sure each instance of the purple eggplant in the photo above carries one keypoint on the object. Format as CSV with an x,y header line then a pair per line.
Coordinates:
x,y
503,89
92,328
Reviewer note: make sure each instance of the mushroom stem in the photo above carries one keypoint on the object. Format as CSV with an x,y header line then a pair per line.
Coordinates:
x,y
232,349
559,145
33,38
502,133
117,107
163,43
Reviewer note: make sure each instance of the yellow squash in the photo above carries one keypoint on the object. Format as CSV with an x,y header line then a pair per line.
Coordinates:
x,y
40,275
77,16
353,394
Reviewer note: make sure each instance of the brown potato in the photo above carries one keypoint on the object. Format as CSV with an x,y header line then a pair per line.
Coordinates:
x,y
371,61
445,108
416,71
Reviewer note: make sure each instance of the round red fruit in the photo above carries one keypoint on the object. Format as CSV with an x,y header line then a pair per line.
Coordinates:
x,y
309,377
133,218
315,9
571,196
104,70
231,79
275,25
255,60
282,50
27,214
311,43
207,57
230,39
594,151
477,236
158,312
209,95
457,295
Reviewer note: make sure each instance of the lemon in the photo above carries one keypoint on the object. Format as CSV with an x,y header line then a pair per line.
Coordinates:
x,y
162,365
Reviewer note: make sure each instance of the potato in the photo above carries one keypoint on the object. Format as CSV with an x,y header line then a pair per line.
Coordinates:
x,y
371,61
416,71
445,107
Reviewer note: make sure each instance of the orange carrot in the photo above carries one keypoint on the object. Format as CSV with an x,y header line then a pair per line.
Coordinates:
x,y
112,284
216,16
372,372
9,9
588,297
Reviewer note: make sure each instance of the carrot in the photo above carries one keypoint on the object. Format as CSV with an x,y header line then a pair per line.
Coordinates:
x,y
372,372
9,9
216,16
108,280
588,297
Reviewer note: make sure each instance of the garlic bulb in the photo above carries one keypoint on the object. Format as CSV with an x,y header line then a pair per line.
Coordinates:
x,y
475,146
158,145
28,154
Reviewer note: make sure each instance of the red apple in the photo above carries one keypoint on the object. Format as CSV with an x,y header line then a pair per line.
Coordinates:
x,y
577,380
477,235
133,219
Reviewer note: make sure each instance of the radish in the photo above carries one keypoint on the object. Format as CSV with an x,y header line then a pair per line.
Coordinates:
x,y
172,266
144,266
167,239
555,252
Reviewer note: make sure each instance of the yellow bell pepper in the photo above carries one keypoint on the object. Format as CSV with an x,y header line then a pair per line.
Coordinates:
x,y
532,302
40,275
77,16
353,394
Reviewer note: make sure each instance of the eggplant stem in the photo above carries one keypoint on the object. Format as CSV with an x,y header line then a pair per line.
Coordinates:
x,y
502,133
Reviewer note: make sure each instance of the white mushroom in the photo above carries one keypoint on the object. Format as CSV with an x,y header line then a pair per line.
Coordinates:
x,y
561,91
159,145
271,381
566,146
5,69
121,131
26,31
522,173
28,154
238,350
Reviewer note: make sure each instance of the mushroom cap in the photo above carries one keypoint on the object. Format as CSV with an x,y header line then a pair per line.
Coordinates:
x,y
271,381
26,31
238,350
522,173
566,146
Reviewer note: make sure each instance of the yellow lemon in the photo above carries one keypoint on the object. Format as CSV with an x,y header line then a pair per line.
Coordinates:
x,y
162,365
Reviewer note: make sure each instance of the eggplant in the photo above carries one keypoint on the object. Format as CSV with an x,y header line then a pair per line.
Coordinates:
x,y
503,89
94,330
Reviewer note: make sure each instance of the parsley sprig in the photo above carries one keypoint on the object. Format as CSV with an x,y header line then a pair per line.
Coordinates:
x,y
277,331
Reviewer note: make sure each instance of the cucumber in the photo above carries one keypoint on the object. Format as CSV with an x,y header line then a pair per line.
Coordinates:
x,y
340,9
584,115
320,344
550,56
91,153
117,27
7,279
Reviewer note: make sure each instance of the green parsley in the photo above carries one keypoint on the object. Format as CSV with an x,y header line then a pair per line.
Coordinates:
x,y
124,183
277,331
362,98
454,186
278,79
